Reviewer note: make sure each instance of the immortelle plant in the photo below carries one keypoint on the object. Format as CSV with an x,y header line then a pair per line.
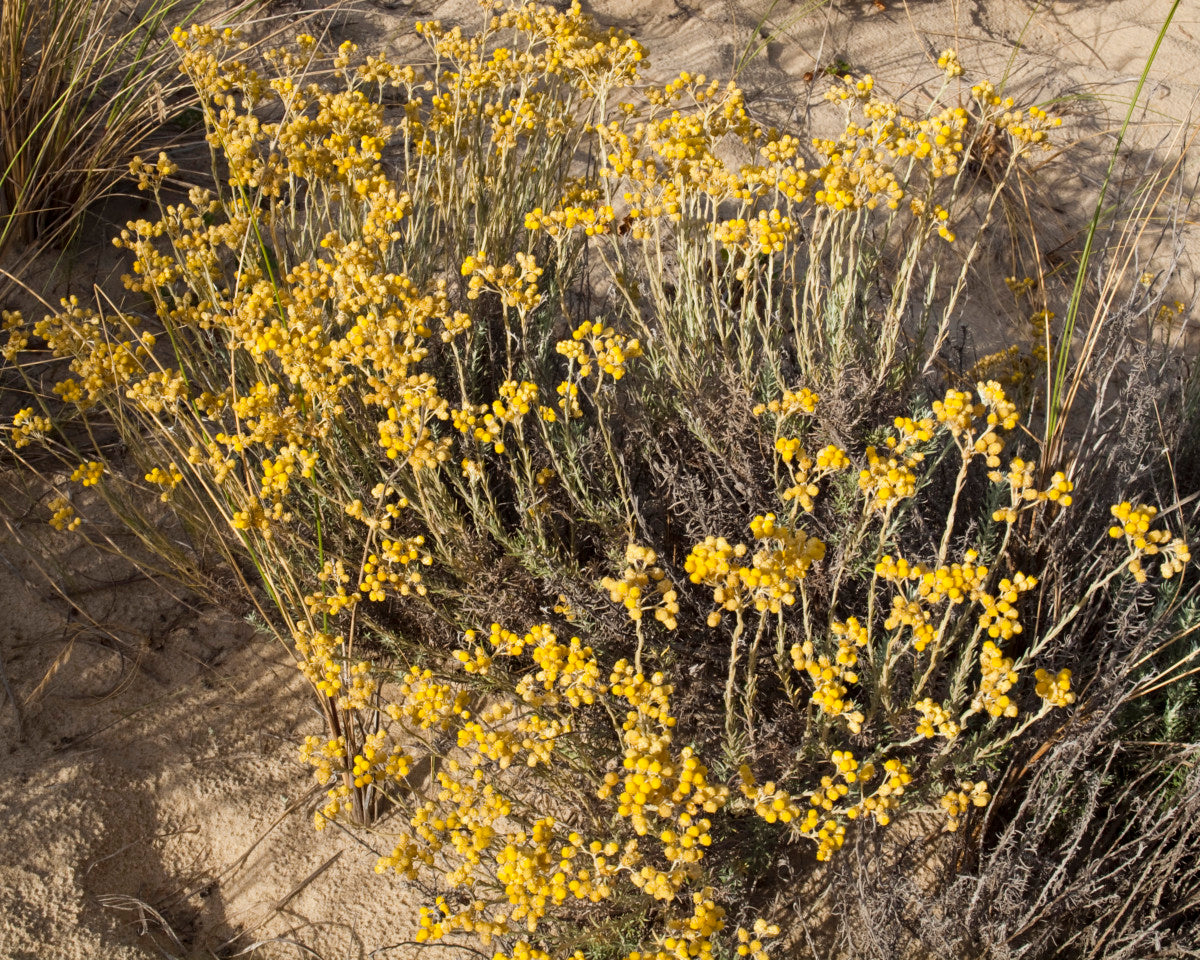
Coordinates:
x,y
478,375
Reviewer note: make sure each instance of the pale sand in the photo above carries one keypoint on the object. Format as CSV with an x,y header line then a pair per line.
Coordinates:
x,y
148,768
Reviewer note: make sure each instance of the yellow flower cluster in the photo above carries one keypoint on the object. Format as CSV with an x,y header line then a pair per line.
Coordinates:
x,y
765,233
28,426
470,827
18,339
824,818
830,675
605,349
1025,127
567,671
279,314
959,412
954,583
1133,523
669,159
328,760
564,44
336,764
692,936
532,866
644,586
151,175
949,65
781,562
999,617
894,779
711,563
888,479
486,739
103,362
426,703
158,391
793,403
656,782
393,570
770,802
593,221
664,168
486,424
472,810
768,582
1024,493
537,869
62,515
935,720
957,802
830,807
805,471
277,472
858,169
333,576
321,658
517,286
1055,688
750,942
88,474
997,679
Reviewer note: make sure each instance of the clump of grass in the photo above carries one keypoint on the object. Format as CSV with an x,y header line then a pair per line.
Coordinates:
x,y
83,84
478,375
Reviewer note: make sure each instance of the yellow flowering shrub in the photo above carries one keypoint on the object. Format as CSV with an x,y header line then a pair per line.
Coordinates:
x,y
416,369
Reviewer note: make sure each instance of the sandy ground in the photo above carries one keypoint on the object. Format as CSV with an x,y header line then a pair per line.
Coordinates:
x,y
152,767
149,778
